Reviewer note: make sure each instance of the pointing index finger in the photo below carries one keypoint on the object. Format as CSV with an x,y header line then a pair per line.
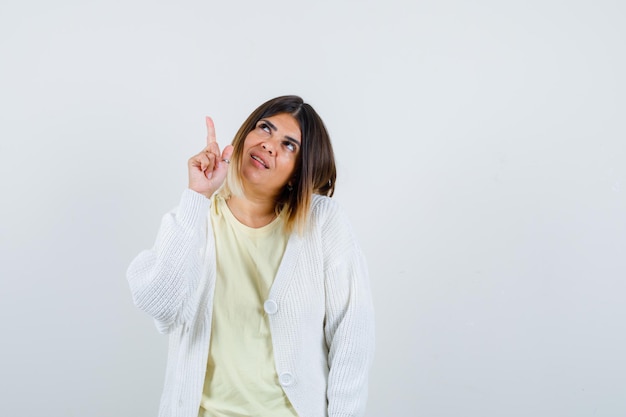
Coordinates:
x,y
210,131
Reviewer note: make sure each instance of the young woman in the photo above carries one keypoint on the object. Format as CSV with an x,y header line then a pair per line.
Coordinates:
x,y
258,279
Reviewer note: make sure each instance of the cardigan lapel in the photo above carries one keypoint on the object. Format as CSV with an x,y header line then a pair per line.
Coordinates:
x,y
287,266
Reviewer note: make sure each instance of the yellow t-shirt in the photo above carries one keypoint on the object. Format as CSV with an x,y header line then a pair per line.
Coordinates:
x,y
241,378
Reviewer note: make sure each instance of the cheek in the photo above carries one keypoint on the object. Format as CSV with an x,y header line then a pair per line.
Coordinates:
x,y
291,165
251,139
247,146
246,143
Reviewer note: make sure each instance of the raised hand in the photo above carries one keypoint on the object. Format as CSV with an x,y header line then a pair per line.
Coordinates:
x,y
207,170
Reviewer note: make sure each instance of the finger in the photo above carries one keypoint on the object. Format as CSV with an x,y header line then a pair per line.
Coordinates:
x,y
210,132
211,165
213,148
200,161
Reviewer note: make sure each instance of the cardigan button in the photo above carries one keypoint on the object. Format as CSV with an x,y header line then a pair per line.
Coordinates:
x,y
285,379
270,307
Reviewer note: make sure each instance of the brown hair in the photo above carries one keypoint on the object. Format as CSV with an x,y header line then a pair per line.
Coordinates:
x,y
315,171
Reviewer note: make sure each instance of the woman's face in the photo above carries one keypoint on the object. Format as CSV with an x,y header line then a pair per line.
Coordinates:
x,y
270,153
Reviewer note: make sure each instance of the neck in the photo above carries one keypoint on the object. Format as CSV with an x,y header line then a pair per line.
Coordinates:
x,y
253,212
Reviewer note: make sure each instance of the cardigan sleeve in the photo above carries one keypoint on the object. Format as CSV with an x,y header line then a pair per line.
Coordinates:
x,y
349,323
164,280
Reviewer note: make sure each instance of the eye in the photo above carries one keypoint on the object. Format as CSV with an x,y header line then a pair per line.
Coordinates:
x,y
291,147
263,126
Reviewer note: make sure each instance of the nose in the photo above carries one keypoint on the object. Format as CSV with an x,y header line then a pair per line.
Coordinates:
x,y
268,147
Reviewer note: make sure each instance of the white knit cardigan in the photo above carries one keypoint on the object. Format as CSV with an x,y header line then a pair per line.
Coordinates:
x,y
319,308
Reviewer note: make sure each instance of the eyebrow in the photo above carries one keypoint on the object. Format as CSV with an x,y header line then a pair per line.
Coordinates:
x,y
289,138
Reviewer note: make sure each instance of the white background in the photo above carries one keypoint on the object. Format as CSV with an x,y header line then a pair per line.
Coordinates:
x,y
482,157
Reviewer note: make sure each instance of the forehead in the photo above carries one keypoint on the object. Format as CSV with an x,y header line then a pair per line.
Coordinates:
x,y
286,125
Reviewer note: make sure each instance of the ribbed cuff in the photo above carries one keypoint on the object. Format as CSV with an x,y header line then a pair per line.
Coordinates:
x,y
193,208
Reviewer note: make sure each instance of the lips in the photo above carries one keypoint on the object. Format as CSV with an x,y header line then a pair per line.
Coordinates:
x,y
260,160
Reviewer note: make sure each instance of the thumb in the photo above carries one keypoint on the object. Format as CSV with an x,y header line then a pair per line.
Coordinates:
x,y
227,152
222,167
